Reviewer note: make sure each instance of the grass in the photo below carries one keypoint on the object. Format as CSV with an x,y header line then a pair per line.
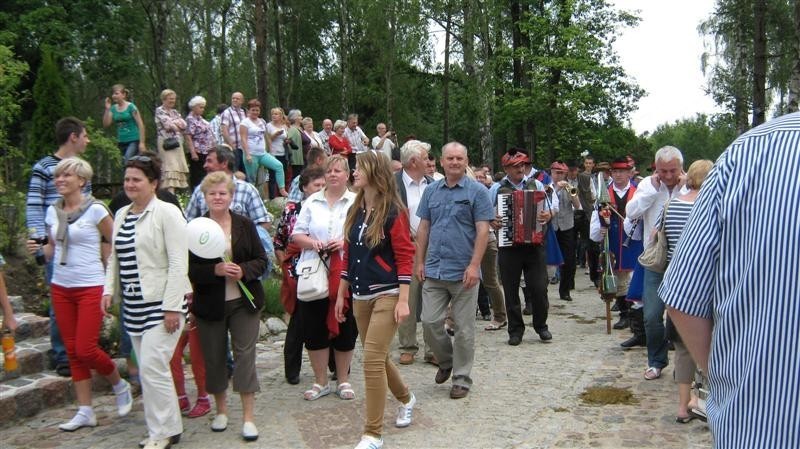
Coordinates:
x,y
272,297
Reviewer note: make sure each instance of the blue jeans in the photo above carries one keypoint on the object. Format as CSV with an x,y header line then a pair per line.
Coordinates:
x,y
128,149
56,343
654,321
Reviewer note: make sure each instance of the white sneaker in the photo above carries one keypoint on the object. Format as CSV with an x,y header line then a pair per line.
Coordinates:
x,y
158,444
249,431
220,423
368,442
404,412
124,399
79,420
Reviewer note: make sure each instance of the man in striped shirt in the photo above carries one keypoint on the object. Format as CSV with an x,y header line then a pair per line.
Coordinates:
x,y
72,139
734,293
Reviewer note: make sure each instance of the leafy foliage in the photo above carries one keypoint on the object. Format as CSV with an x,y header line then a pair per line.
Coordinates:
x,y
52,103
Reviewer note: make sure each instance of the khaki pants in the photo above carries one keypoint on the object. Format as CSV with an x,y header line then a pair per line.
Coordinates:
x,y
376,328
407,331
491,282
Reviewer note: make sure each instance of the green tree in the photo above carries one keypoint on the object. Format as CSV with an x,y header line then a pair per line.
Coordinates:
x,y
11,72
701,137
52,102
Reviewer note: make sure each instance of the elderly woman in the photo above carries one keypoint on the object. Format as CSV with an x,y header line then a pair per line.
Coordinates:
x,y
130,128
169,129
299,141
318,231
312,180
199,139
253,131
314,140
221,306
339,144
77,224
378,262
677,213
147,267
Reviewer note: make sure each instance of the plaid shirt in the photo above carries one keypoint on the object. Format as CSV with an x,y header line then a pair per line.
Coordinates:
x,y
295,194
246,201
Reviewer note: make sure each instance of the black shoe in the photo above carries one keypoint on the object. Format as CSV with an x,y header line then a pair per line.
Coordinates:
x,y
514,340
566,298
63,370
623,323
615,307
545,335
293,380
527,311
636,340
486,316
442,375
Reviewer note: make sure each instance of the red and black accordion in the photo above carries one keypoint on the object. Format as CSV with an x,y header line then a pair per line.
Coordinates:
x,y
518,211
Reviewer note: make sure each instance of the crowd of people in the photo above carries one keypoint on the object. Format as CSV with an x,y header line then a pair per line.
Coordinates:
x,y
394,242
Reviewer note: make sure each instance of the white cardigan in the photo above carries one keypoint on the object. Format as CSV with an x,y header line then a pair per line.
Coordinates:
x,y
162,255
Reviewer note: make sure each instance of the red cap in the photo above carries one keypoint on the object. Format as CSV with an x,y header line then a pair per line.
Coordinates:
x,y
620,166
559,166
517,158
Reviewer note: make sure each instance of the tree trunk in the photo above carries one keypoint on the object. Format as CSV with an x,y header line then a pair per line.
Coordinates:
x,y
759,62
446,79
344,62
260,32
280,70
794,84
485,94
222,53
388,69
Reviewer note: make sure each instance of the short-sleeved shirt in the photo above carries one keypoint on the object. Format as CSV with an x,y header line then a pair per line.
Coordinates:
x,y
276,147
256,135
320,221
84,264
246,201
231,118
199,130
127,130
387,148
452,213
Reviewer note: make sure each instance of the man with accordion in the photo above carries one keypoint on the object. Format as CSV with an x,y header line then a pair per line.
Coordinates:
x,y
523,212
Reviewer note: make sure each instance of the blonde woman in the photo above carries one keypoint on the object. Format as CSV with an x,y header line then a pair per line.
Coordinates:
x,y
378,263
170,126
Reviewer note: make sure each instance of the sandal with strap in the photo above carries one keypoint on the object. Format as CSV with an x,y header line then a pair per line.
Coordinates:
x,y
652,373
495,326
345,391
316,391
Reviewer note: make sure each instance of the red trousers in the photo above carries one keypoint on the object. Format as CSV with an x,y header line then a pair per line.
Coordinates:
x,y
79,320
192,337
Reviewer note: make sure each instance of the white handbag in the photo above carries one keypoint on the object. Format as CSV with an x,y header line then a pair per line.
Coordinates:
x,y
312,279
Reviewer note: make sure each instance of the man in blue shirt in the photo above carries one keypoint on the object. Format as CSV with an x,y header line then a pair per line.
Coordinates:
x,y
452,236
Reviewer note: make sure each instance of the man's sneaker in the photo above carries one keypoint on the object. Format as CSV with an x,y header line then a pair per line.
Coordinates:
x,y
124,399
220,423
404,412
368,442
80,419
249,431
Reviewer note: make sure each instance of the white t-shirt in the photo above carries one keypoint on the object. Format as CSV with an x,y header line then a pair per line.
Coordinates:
x,y
387,147
256,136
320,221
276,147
84,266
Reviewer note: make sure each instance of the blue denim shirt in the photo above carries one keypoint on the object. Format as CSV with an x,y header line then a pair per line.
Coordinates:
x,y
452,213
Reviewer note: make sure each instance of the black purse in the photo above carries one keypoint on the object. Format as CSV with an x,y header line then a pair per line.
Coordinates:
x,y
171,143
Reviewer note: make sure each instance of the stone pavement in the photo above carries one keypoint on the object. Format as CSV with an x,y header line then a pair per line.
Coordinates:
x,y
523,397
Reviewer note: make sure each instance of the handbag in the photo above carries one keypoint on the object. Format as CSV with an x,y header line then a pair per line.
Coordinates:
x,y
654,258
312,279
171,143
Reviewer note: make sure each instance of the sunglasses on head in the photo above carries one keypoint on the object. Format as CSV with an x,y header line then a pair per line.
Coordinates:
x,y
140,158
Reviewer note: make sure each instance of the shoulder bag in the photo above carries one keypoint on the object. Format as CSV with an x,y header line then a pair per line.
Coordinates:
x,y
312,279
654,258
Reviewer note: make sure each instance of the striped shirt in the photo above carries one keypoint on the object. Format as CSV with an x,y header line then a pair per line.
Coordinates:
x,y
42,193
677,214
137,314
736,263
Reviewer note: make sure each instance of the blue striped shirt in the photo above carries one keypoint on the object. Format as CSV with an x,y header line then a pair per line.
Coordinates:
x,y
677,215
737,263
42,193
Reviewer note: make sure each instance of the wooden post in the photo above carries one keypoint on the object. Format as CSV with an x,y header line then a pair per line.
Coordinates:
x,y
608,315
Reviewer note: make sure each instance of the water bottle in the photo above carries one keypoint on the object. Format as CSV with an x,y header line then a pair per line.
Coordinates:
x,y
9,351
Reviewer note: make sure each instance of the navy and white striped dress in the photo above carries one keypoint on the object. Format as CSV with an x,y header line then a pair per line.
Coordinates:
x,y
138,315
677,215
737,263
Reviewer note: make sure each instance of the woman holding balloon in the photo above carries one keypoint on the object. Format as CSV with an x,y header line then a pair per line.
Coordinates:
x,y
226,261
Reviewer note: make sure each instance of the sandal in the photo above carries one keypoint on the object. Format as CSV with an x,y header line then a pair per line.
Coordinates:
x,y
652,373
684,419
317,391
345,391
699,414
495,326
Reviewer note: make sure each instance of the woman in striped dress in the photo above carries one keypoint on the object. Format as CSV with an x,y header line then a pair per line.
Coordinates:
x,y
148,269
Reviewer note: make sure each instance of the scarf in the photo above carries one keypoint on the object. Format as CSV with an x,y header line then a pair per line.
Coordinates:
x,y
62,231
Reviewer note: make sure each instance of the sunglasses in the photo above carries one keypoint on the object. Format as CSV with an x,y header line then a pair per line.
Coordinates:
x,y
140,158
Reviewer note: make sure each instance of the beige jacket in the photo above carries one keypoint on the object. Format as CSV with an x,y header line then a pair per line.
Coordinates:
x,y
162,255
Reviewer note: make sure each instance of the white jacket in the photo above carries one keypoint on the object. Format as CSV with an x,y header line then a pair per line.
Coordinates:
x,y
162,255
647,204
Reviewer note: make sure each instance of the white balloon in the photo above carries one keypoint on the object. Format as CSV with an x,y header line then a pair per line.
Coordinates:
x,y
206,238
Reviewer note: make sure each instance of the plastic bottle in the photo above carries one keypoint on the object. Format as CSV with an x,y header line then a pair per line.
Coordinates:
x,y
9,351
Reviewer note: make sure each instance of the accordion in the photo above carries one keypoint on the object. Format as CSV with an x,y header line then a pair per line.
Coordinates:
x,y
518,211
